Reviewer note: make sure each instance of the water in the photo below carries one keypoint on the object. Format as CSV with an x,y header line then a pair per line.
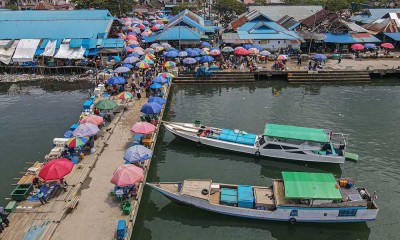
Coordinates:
x,y
31,116
370,113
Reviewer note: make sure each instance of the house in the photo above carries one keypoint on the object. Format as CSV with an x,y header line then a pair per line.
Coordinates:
x,y
371,15
3,3
257,28
387,28
275,12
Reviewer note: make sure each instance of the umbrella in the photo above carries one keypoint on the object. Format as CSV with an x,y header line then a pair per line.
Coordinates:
x,y
149,51
158,49
204,53
131,60
169,64
236,48
207,59
247,46
319,57
387,45
138,51
158,100
183,54
241,51
56,169
197,50
171,54
192,53
370,46
125,95
142,65
357,47
127,175
86,129
148,61
160,79
258,47
215,52
121,70
106,104
68,134
166,75
116,80
165,45
133,55
137,153
172,49
155,45
151,108
75,142
254,51
93,119
265,53
227,49
155,86
127,65
189,61
205,44
143,128
282,57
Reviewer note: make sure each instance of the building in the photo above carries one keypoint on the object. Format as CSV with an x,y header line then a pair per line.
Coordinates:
x,y
275,12
257,28
57,4
60,34
373,14
3,3
387,28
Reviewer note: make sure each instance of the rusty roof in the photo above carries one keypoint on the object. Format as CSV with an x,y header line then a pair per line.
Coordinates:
x,y
319,17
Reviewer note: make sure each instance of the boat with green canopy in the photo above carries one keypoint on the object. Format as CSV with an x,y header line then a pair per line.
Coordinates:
x,y
277,141
297,197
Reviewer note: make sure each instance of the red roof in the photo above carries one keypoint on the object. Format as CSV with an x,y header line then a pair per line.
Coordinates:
x,y
43,6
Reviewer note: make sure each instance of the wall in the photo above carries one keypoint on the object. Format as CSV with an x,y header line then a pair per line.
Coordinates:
x,y
3,3
276,44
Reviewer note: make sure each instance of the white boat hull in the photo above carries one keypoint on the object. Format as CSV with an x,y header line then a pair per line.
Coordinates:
x,y
180,131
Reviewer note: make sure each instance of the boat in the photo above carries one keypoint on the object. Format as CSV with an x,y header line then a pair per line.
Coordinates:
x,y
297,197
277,141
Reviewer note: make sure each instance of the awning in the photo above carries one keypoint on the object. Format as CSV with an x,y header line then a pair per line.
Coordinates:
x,y
294,132
303,185
65,52
339,38
26,49
6,53
50,49
365,38
394,36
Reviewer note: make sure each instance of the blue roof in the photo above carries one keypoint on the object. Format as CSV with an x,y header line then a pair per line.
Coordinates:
x,y
54,24
45,41
339,38
373,14
394,36
265,29
85,43
175,33
112,43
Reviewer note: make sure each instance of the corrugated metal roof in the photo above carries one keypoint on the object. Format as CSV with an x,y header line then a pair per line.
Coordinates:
x,y
389,24
339,38
112,43
176,33
319,17
365,38
373,14
394,36
55,15
276,12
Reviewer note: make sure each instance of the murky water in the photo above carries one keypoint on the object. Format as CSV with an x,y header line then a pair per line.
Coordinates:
x,y
370,113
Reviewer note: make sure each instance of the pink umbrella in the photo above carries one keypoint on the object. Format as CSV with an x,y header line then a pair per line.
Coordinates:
x,y
357,47
127,175
387,45
215,52
254,51
131,37
97,120
143,128
241,51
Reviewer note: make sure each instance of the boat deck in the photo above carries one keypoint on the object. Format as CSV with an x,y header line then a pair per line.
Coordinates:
x,y
194,188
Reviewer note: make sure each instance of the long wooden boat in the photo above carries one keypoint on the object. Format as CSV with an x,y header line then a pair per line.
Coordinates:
x,y
277,141
298,197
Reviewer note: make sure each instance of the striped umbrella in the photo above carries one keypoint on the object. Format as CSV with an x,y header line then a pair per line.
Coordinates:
x,y
158,49
227,49
77,142
169,64
148,61
142,65
166,75
149,56
149,51
125,95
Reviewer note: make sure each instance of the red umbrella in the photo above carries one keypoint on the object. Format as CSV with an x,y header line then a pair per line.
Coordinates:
x,y
56,169
387,45
241,51
127,175
143,128
357,47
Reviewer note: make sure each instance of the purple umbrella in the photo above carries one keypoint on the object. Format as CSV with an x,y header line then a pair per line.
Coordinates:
x,y
121,70
86,129
189,61
131,60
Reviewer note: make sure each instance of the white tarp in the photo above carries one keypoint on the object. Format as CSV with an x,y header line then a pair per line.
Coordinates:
x,y
25,50
6,54
65,52
50,49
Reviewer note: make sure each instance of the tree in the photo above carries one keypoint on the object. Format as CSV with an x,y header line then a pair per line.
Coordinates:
x,y
337,5
116,7
229,10
11,7
259,2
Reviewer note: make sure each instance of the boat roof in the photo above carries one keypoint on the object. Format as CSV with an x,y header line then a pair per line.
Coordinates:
x,y
294,132
302,185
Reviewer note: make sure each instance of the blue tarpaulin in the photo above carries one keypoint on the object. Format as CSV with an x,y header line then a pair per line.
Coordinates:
x,y
394,36
339,38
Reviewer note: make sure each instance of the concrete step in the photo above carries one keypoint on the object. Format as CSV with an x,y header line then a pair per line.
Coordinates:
x,y
330,80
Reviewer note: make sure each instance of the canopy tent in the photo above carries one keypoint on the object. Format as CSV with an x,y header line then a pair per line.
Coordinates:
x,y
65,52
303,185
7,53
50,49
294,132
25,50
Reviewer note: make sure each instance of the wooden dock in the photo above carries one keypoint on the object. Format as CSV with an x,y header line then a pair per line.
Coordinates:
x,y
216,77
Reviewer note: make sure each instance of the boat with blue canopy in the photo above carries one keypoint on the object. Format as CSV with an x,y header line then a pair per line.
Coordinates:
x,y
277,141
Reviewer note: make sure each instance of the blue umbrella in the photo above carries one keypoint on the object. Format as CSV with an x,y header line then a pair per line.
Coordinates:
x,y
370,46
247,46
171,54
197,50
116,80
319,57
189,61
197,58
68,134
133,45
151,108
131,60
173,50
192,53
182,54
137,153
127,65
207,59
158,100
155,86
215,48
133,55
160,79
205,44
258,47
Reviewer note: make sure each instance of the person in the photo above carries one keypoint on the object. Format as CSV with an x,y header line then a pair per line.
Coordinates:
x,y
63,184
309,65
96,111
298,59
1,225
340,58
4,217
138,95
36,182
40,195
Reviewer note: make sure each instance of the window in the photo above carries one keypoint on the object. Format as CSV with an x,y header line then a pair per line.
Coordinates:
x,y
261,141
347,213
279,42
294,213
298,152
273,146
288,148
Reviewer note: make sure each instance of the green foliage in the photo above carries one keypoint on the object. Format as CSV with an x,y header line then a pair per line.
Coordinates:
x,y
11,7
182,6
259,2
228,10
116,7
332,5
337,5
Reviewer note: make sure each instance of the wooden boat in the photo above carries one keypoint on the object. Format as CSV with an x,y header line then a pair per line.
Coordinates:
x,y
298,197
278,141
